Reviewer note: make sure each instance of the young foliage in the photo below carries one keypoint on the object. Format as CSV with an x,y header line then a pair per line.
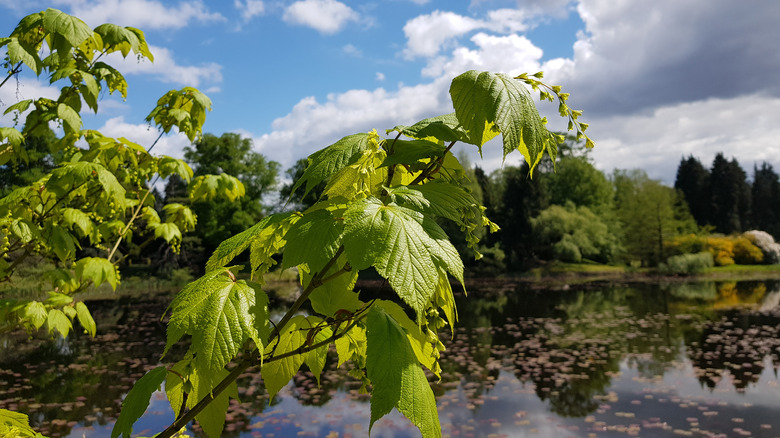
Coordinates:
x,y
94,194
380,209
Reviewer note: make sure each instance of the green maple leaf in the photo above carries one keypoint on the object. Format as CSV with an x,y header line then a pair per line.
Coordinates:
x,y
14,424
220,313
408,152
118,38
397,378
137,400
444,128
335,294
229,249
69,27
328,161
276,374
98,270
402,246
212,418
312,240
485,102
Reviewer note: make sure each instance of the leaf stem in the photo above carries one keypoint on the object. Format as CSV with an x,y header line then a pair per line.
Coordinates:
x,y
127,227
11,73
433,167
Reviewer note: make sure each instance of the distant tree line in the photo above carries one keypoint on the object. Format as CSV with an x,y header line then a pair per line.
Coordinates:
x,y
570,212
722,197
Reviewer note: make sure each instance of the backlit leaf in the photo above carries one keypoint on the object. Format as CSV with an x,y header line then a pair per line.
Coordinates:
x,y
137,400
397,378
485,101
326,162
57,321
352,345
212,418
36,312
71,28
423,349
407,152
444,128
98,270
276,374
85,318
219,313
168,232
335,294
232,247
392,239
315,359
313,239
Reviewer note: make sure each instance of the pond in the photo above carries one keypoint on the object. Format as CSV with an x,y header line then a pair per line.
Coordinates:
x,y
690,359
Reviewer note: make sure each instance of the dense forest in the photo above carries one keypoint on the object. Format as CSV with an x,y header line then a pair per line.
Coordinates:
x,y
572,213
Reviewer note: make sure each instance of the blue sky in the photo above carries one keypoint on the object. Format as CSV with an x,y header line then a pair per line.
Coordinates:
x,y
656,80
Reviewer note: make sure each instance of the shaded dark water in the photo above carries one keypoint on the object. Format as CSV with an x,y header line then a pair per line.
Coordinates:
x,y
695,359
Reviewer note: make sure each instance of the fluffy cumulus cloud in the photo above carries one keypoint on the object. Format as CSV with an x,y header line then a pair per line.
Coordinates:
x,y
250,8
325,16
741,127
172,144
657,81
310,125
639,55
144,14
512,54
427,34
167,70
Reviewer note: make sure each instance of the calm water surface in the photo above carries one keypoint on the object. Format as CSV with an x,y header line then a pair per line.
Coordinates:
x,y
687,359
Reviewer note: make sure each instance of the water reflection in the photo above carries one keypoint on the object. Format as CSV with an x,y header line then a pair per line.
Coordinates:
x,y
684,358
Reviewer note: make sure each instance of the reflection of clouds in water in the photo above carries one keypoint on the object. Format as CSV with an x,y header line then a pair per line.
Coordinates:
x,y
341,414
771,300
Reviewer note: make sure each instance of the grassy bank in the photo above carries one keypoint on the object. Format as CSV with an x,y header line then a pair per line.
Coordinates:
x,y
578,273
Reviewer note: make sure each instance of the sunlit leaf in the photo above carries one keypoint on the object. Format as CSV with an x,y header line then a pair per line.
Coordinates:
x,y
212,418
326,162
397,378
219,313
137,400
485,102
392,239
85,318
71,28
276,374
313,239
98,270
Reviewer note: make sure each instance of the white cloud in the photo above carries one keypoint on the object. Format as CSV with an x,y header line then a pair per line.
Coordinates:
x,y
325,16
351,50
508,20
427,34
310,125
167,70
144,14
657,81
25,88
639,55
380,76
172,144
510,54
250,8
742,127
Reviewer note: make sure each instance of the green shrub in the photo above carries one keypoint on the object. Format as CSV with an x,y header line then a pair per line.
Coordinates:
x,y
687,264
567,251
